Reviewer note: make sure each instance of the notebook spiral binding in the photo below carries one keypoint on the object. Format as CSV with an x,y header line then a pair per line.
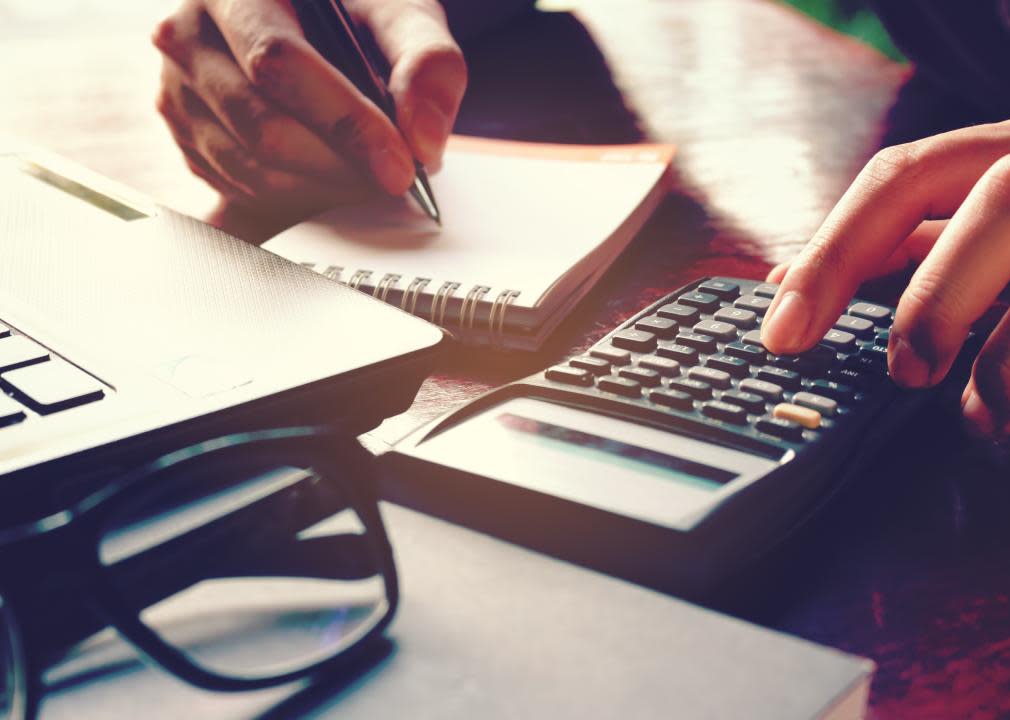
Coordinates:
x,y
439,301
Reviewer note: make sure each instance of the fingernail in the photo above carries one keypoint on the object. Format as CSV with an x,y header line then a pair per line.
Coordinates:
x,y
905,365
392,168
431,128
976,414
787,326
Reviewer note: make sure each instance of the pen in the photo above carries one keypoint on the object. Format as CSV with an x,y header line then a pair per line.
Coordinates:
x,y
330,29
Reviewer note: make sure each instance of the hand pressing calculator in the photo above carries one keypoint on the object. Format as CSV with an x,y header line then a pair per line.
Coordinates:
x,y
676,451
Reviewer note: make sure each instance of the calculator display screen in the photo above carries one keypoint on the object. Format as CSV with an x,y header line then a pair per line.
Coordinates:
x,y
618,452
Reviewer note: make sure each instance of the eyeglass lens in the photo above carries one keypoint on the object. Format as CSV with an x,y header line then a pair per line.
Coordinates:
x,y
249,577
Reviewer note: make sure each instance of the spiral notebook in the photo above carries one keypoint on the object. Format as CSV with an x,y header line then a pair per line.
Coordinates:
x,y
528,228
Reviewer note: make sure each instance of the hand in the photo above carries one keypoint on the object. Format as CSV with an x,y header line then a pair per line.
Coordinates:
x,y
944,201
262,117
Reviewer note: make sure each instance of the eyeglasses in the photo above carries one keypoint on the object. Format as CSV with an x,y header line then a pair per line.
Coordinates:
x,y
238,563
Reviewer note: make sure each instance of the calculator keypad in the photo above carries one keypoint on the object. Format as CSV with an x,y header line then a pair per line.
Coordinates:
x,y
698,354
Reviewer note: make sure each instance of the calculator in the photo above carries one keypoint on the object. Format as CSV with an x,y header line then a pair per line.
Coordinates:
x,y
676,451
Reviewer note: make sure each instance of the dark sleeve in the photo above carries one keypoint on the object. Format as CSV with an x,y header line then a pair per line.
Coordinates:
x,y
468,18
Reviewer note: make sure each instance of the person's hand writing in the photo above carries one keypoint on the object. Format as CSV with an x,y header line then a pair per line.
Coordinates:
x,y
264,118
944,201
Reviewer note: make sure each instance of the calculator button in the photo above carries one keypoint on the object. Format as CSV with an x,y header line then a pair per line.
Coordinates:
x,y
780,427
636,340
876,354
840,340
753,338
664,328
612,355
755,304
706,302
721,288
569,375
807,417
684,354
721,330
750,353
727,363
735,316
825,406
830,389
54,385
788,379
680,313
766,290
716,378
750,402
695,388
863,364
860,327
597,366
704,343
725,411
10,411
766,389
883,337
17,351
856,379
672,398
876,313
619,386
647,377
662,365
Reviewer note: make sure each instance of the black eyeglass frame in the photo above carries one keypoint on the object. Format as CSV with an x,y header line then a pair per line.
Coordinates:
x,y
73,535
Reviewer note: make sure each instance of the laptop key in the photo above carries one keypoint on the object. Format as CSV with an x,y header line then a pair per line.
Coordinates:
x,y
10,411
53,386
17,351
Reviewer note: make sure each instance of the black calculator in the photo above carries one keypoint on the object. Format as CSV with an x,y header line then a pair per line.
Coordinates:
x,y
675,451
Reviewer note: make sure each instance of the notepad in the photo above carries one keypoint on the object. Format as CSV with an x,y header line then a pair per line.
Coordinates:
x,y
528,229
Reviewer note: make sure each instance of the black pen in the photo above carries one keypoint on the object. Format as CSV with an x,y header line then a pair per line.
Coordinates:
x,y
330,29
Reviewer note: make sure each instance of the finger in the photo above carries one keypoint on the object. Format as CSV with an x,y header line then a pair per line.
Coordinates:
x,y
271,50
429,74
985,403
895,192
955,284
778,272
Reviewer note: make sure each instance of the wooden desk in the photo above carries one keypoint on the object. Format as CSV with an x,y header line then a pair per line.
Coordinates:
x,y
774,116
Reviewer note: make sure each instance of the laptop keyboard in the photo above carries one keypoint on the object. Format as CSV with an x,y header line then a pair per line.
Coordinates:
x,y
34,381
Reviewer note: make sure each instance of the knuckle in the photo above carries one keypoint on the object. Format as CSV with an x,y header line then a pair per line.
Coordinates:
x,y
892,165
267,59
164,34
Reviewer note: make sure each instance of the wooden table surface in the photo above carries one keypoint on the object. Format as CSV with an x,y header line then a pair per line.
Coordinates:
x,y
773,116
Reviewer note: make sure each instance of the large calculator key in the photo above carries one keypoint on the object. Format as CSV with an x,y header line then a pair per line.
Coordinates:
x,y
750,353
875,313
569,375
721,330
662,365
860,327
620,386
727,363
10,411
807,417
635,340
721,288
614,356
750,402
753,338
18,351
830,389
825,406
597,366
725,412
661,327
684,354
839,340
54,385
682,314
672,398
716,378
4,331
706,302
788,379
647,377
768,390
703,343
736,316
695,388
766,290
780,427
755,304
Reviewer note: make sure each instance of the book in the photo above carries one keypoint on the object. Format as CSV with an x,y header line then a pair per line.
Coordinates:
x,y
528,229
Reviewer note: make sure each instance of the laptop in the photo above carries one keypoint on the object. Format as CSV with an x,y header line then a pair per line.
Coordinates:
x,y
127,329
